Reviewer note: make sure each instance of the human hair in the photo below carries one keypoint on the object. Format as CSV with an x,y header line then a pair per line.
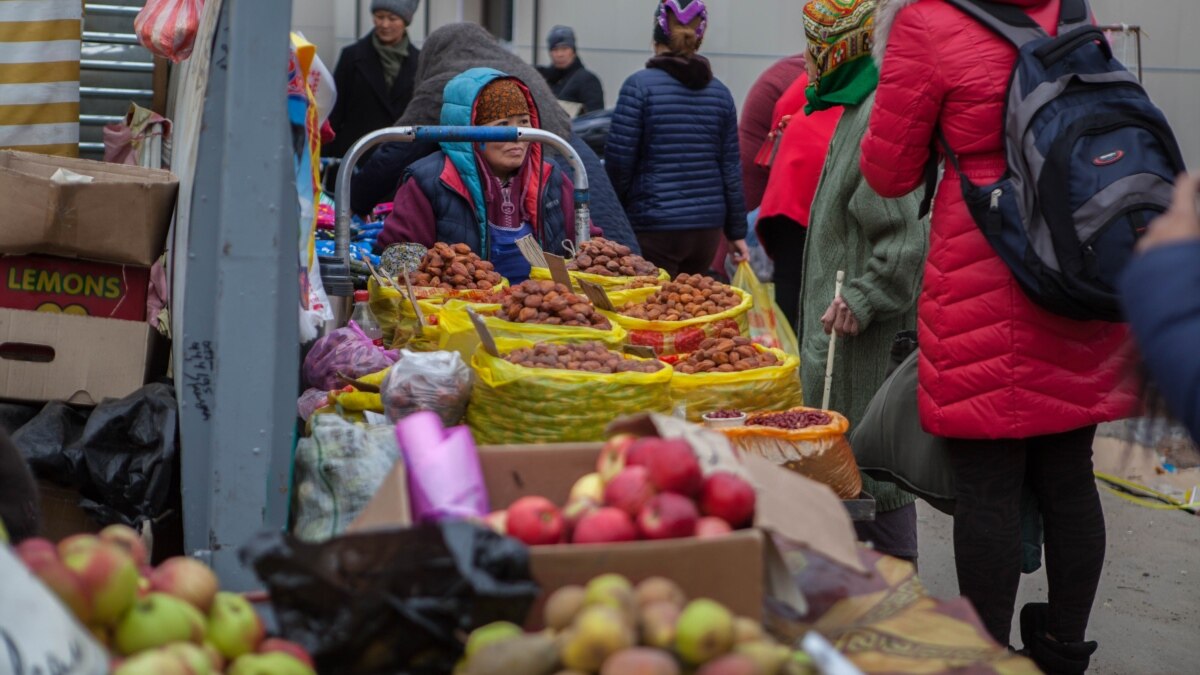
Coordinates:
x,y
684,39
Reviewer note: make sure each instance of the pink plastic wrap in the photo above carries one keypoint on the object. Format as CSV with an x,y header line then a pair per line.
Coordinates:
x,y
347,351
445,481
168,27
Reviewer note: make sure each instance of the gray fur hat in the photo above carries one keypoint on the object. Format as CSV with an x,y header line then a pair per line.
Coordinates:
x,y
402,8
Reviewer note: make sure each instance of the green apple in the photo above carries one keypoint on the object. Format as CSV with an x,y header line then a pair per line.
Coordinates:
x,y
234,628
154,662
273,663
194,656
156,620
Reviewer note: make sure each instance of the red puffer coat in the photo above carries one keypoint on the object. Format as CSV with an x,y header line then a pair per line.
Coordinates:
x,y
993,364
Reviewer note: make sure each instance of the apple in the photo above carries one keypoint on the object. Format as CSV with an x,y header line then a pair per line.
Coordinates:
x,y
590,486
498,521
668,516
187,579
194,656
234,628
157,620
630,490
128,539
612,456
640,450
281,645
712,526
77,542
674,468
64,583
575,511
729,497
274,663
535,521
604,525
33,551
109,576
154,662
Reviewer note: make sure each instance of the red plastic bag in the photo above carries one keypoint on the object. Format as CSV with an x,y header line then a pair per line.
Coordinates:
x,y
168,27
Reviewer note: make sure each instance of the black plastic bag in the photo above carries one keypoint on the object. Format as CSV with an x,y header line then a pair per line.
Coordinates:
x,y
121,457
393,601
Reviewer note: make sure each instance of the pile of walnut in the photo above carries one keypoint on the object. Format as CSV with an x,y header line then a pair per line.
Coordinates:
x,y
455,268
689,296
589,357
725,355
552,304
608,258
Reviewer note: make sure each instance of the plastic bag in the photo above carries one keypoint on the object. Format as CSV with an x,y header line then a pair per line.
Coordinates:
x,y
767,324
676,337
338,470
515,404
392,601
310,402
445,480
457,331
821,452
437,381
346,351
168,27
607,283
122,456
774,388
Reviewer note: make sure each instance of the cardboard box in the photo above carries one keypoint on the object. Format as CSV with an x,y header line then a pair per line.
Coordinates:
x,y
739,570
77,359
121,216
65,286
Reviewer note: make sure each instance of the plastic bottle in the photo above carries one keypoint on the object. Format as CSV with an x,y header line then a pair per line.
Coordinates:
x,y
365,318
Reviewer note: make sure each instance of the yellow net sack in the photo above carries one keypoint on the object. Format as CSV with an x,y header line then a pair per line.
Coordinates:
x,y
513,404
772,388
677,337
394,312
820,452
457,332
610,284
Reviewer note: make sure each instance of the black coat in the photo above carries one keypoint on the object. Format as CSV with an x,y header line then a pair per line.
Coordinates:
x,y
575,84
363,102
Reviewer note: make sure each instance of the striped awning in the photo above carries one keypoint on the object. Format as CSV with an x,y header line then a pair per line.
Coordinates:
x,y
40,44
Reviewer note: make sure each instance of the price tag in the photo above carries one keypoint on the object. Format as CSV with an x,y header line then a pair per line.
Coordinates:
x,y
485,335
558,269
597,295
532,251
38,634
640,351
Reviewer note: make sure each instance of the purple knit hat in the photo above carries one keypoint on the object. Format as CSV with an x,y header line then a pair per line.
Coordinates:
x,y
685,12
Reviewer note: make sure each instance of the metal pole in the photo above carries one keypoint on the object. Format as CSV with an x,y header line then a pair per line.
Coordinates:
x,y
537,30
239,337
447,135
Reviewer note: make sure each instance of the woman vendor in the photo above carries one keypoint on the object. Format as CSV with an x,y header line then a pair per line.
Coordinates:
x,y
486,195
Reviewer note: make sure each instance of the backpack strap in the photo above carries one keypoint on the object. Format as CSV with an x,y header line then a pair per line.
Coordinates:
x,y
1073,14
1007,21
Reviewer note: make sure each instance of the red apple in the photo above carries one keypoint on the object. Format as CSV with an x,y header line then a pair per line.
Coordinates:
x,y
729,497
498,521
674,468
575,511
605,525
612,456
630,490
291,648
110,577
187,579
35,551
128,539
640,449
535,521
668,516
711,526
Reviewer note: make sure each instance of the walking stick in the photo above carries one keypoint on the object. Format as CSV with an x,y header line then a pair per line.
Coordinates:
x,y
837,293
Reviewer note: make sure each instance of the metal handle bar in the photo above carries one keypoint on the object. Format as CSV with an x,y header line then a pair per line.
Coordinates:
x,y
455,134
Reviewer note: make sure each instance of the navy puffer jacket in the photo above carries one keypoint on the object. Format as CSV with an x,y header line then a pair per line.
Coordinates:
x,y
672,152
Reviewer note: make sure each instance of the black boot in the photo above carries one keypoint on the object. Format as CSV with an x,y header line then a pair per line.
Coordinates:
x,y
1052,656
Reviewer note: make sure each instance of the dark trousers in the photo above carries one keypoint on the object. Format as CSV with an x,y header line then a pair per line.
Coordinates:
x,y
987,526
681,251
783,240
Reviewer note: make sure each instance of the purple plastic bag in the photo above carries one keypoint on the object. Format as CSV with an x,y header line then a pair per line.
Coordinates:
x,y
347,351
445,481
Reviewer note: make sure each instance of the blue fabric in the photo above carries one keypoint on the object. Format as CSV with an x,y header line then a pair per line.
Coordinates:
x,y
1161,296
458,104
506,255
672,155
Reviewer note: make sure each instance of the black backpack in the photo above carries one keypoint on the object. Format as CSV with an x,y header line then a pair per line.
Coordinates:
x,y
1091,161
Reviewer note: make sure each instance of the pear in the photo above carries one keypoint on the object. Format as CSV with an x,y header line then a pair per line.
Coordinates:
x,y
657,623
768,657
563,606
535,654
271,663
497,631
747,630
156,620
704,631
612,590
655,589
599,632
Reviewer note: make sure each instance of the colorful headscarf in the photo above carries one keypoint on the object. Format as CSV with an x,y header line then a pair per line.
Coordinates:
x,y
685,12
501,99
840,35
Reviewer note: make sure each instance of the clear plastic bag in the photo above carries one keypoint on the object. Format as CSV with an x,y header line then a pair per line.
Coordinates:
x,y
168,27
346,351
819,452
338,470
435,381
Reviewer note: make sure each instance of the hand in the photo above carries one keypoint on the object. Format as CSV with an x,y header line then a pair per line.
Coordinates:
x,y
1180,222
739,251
781,127
839,318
